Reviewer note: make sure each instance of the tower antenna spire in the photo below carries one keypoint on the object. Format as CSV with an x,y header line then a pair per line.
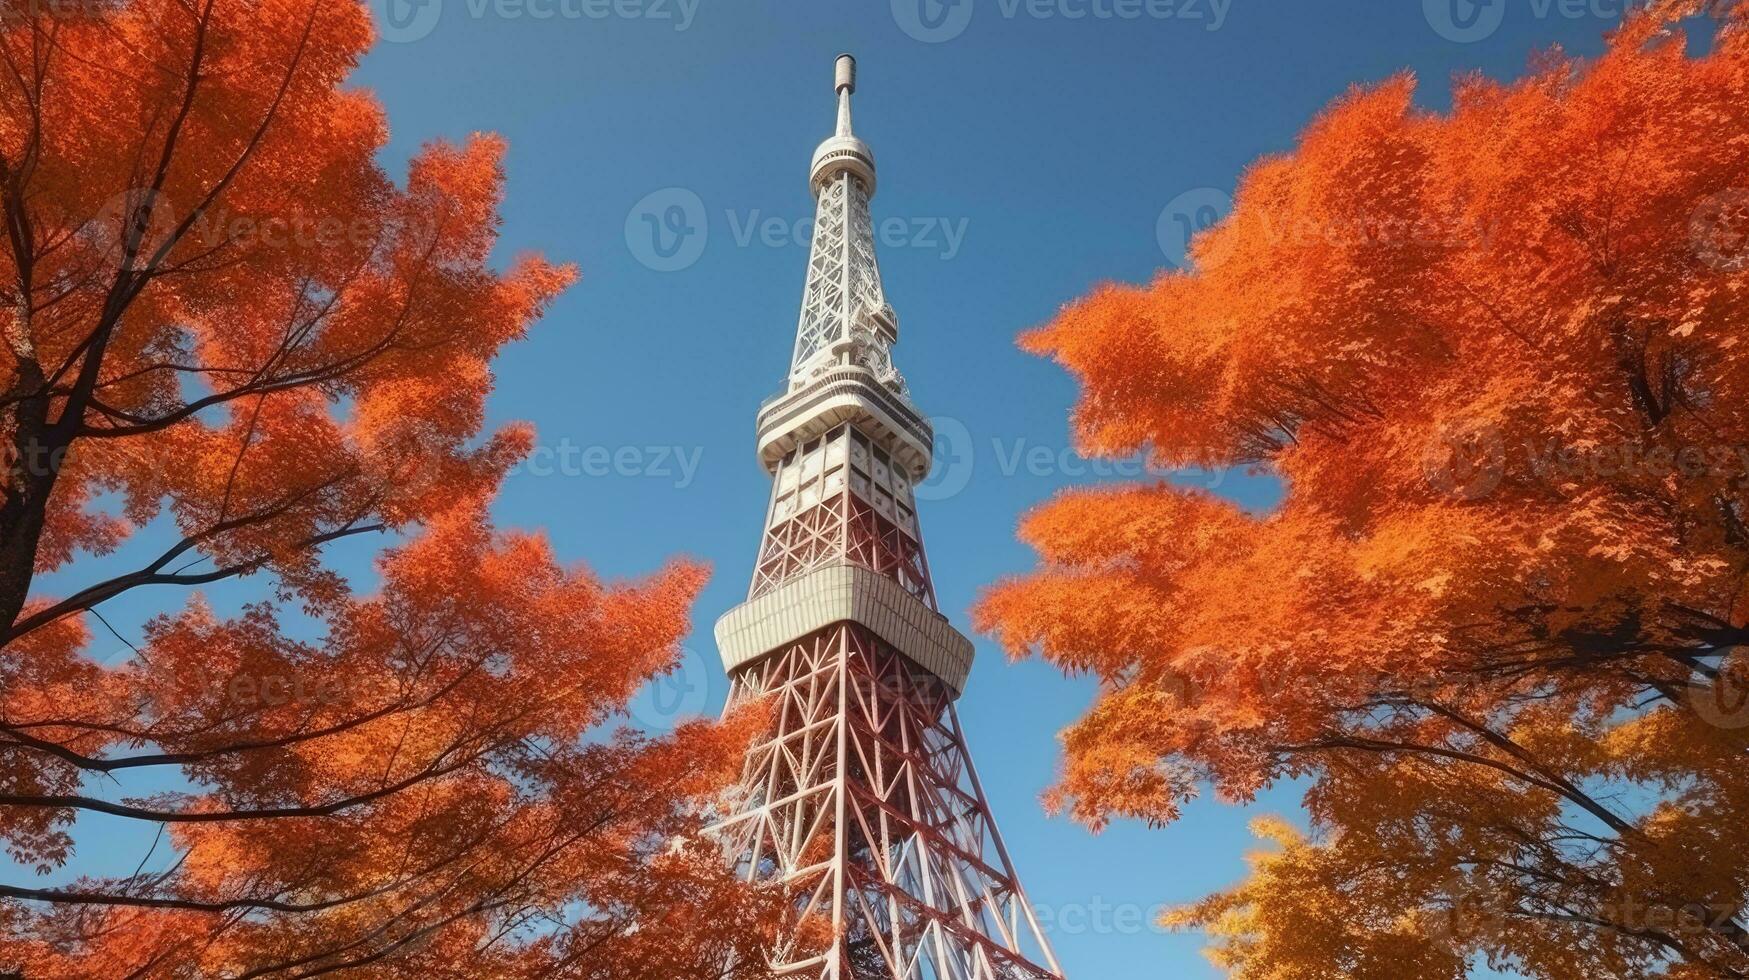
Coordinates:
x,y
844,84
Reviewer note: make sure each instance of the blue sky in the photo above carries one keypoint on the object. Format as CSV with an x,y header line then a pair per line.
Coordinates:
x,y
1028,150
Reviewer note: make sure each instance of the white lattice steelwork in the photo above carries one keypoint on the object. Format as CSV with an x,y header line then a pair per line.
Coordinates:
x,y
845,316
861,800
842,304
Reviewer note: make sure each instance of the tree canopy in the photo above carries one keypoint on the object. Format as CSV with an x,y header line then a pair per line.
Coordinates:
x,y
225,323
1495,355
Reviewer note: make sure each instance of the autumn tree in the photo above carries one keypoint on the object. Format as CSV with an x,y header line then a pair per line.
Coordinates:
x,y
1496,357
231,338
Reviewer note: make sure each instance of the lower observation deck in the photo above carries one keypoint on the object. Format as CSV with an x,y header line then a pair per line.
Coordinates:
x,y
845,593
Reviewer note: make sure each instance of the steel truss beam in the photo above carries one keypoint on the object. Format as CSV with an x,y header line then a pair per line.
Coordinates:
x,y
861,801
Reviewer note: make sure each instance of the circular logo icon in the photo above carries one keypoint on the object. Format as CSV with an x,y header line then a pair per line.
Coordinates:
x,y
1183,689
1719,229
1725,702
667,230
1466,463
1186,216
1470,912
405,21
1465,21
932,21
954,460
678,696
139,211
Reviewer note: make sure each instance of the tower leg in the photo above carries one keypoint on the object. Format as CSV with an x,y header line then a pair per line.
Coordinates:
x,y
861,801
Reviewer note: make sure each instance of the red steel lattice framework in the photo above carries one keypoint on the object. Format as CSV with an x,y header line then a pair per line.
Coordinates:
x,y
841,500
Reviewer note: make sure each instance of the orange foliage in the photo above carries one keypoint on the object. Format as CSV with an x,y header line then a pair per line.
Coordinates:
x,y
220,312
1496,357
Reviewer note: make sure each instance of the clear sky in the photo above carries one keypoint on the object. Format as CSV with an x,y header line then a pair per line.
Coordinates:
x,y
1028,150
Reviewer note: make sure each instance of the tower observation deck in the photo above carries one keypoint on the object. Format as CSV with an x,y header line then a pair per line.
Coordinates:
x,y
861,801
